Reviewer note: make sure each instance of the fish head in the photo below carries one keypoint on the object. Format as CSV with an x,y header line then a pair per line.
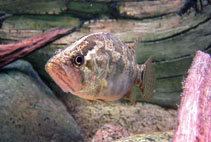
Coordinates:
x,y
80,67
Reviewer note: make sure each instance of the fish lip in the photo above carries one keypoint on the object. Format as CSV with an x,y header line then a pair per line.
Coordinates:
x,y
51,65
54,64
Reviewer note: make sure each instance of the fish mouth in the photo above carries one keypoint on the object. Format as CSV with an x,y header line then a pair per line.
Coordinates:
x,y
59,75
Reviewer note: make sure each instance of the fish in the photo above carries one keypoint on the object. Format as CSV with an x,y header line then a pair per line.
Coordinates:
x,y
101,67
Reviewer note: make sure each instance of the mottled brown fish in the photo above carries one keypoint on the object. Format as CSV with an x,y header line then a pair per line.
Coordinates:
x,y
101,67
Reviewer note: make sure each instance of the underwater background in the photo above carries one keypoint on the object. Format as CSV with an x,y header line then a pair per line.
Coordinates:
x,y
33,108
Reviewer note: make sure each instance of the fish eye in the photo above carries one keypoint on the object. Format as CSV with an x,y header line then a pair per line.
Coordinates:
x,y
79,60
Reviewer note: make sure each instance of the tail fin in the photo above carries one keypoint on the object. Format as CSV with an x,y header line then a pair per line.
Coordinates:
x,y
147,83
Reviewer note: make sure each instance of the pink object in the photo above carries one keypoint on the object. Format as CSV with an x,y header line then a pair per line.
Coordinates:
x,y
194,120
110,132
13,51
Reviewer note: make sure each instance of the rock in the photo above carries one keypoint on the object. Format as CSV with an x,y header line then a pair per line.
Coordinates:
x,y
154,137
138,118
29,110
110,132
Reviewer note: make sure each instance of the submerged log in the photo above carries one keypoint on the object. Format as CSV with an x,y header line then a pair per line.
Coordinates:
x,y
170,40
13,51
194,120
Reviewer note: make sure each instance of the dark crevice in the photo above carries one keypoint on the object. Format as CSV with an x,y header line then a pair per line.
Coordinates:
x,y
168,92
60,44
169,77
173,59
124,17
207,49
145,18
208,34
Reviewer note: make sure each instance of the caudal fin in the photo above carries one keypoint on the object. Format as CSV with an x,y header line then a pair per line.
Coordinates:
x,y
148,81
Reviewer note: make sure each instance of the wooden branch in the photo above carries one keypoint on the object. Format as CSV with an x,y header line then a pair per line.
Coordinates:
x,y
13,51
194,120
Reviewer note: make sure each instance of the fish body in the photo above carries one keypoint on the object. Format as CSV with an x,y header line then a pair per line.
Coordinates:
x,y
99,66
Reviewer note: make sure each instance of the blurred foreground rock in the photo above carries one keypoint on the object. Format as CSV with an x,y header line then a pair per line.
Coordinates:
x,y
29,110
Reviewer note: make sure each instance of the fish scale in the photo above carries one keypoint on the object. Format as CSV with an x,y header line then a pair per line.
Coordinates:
x,y
101,67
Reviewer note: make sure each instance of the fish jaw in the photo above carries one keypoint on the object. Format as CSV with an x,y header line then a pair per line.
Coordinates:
x,y
71,85
67,78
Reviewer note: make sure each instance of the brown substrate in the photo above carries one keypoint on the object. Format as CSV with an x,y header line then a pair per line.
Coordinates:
x,y
138,118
